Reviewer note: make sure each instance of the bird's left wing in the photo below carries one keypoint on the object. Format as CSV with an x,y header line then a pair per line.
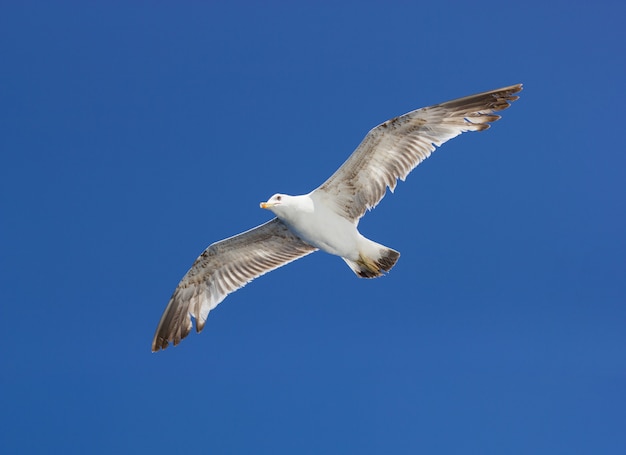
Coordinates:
x,y
222,268
394,148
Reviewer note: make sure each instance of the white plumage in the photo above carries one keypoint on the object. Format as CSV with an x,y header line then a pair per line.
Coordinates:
x,y
328,217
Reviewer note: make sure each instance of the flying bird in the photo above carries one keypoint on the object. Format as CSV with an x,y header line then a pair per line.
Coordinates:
x,y
327,218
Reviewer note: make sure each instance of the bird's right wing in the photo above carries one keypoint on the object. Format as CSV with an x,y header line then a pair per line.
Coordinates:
x,y
394,148
223,268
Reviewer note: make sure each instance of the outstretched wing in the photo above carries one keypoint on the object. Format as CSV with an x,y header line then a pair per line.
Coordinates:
x,y
393,149
223,268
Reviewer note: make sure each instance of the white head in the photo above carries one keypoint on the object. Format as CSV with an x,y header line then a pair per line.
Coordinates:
x,y
288,208
277,202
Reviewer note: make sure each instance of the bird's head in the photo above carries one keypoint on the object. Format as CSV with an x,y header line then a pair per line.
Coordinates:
x,y
289,208
276,201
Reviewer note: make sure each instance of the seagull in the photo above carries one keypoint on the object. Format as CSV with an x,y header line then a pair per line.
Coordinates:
x,y
327,218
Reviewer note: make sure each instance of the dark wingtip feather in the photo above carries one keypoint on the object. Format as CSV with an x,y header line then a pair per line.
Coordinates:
x,y
158,344
200,325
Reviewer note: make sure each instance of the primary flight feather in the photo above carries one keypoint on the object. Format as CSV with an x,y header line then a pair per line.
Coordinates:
x,y
327,218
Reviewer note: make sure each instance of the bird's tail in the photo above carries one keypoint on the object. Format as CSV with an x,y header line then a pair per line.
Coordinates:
x,y
375,262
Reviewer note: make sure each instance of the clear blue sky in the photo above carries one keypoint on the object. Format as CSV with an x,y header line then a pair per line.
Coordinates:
x,y
134,134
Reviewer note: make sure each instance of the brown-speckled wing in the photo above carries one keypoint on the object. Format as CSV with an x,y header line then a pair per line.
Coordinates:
x,y
393,149
221,269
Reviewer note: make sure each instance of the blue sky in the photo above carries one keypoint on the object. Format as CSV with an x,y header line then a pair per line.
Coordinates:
x,y
134,134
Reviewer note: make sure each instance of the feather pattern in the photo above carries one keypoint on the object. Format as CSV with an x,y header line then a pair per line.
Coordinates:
x,y
223,268
394,148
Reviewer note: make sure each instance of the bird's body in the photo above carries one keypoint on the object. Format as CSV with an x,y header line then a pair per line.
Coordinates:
x,y
316,224
327,218
312,218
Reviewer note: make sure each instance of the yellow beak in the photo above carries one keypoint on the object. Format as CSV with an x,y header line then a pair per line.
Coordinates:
x,y
265,205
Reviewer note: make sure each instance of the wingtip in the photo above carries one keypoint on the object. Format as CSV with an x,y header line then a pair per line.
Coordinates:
x,y
159,343
515,88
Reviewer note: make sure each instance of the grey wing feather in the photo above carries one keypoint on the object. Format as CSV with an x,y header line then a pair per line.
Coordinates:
x,y
223,268
393,149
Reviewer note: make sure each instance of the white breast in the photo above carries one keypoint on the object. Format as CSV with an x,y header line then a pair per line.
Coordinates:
x,y
320,226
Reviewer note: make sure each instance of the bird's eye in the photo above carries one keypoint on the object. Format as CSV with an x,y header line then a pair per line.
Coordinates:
x,y
278,198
